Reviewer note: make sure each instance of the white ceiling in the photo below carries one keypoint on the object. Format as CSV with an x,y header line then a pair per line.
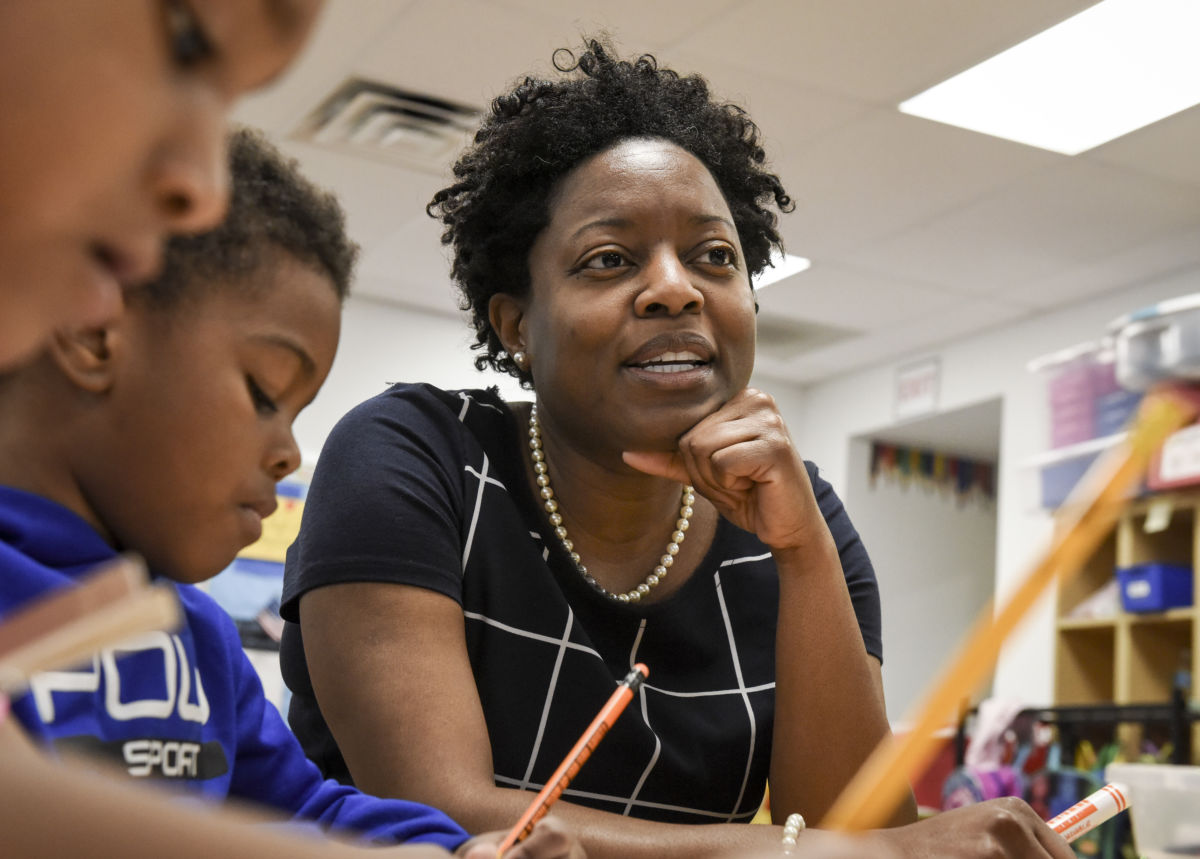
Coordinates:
x,y
918,232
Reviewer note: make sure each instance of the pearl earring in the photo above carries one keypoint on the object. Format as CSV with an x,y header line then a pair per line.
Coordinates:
x,y
521,360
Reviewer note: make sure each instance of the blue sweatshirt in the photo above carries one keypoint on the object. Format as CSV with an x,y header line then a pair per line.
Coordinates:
x,y
186,707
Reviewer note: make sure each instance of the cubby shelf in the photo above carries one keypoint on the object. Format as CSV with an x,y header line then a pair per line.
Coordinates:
x,y
1130,658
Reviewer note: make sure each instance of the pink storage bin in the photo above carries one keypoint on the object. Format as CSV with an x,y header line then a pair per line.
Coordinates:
x,y
1071,423
1076,381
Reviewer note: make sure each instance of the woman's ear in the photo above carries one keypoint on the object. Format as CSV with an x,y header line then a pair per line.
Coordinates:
x,y
85,356
507,315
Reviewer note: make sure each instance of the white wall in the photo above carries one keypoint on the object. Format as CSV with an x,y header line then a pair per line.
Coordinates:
x,y
935,559
984,366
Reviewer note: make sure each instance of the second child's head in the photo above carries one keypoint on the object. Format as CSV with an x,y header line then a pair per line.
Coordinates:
x,y
183,408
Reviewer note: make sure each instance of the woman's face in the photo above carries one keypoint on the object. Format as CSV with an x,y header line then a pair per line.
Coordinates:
x,y
112,136
640,317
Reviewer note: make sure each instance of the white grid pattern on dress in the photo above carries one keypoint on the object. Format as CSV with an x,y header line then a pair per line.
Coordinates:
x,y
633,658
482,477
737,671
641,803
553,687
563,643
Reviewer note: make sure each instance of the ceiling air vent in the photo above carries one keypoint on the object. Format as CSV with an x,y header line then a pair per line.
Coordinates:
x,y
375,120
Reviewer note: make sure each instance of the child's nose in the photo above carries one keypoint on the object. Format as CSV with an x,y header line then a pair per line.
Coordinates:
x,y
284,457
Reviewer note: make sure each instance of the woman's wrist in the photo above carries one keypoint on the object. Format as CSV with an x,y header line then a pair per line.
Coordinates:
x,y
819,553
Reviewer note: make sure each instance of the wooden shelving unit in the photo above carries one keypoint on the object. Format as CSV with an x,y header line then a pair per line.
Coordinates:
x,y
1131,658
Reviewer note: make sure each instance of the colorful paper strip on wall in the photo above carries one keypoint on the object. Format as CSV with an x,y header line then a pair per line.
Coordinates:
x,y
965,478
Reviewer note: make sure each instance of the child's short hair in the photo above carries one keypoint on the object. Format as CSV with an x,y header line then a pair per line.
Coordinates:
x,y
272,209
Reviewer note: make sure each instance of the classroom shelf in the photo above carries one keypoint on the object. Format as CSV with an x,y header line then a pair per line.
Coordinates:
x,y
1129,658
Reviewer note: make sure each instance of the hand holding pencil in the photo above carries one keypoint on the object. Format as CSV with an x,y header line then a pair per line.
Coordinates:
x,y
549,839
576,758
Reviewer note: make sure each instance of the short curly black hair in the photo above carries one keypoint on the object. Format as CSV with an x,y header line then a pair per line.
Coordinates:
x,y
273,209
539,131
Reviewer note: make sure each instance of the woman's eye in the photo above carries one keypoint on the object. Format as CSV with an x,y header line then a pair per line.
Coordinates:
x,y
724,257
607,259
262,403
189,44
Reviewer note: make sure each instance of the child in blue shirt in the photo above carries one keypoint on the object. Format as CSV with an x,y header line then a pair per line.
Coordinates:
x,y
164,432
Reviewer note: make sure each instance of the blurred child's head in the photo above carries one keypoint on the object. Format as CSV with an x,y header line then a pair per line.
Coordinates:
x,y
182,409
111,137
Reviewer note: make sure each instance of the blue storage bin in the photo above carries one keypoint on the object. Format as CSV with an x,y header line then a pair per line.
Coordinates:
x,y
1155,587
1060,478
1114,409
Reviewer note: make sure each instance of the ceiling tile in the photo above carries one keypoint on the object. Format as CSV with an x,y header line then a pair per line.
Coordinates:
x,y
378,198
842,296
883,52
635,25
410,266
1168,148
1039,227
429,300
787,115
1159,257
887,172
918,335
465,51
343,32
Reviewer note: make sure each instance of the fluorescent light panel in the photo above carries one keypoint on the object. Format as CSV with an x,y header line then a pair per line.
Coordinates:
x,y
781,266
1114,67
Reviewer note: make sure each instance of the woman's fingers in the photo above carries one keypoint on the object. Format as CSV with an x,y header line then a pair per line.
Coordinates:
x,y
989,830
669,465
550,839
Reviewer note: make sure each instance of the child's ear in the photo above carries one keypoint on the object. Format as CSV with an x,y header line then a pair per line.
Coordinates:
x,y
507,315
85,356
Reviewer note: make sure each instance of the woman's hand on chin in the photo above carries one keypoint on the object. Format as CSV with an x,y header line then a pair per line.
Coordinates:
x,y
741,458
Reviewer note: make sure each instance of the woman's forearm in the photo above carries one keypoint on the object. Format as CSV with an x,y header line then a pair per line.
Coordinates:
x,y
829,710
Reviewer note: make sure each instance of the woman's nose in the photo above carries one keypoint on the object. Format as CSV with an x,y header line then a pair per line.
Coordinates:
x,y
190,176
668,288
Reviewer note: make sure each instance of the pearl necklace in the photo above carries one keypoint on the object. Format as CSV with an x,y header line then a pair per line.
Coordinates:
x,y
547,493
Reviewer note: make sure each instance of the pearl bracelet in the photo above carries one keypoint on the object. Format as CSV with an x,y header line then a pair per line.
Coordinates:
x,y
793,827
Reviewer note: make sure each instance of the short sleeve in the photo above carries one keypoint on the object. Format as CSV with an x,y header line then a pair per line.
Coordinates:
x,y
856,565
385,500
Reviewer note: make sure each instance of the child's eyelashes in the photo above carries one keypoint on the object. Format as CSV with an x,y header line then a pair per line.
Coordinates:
x,y
262,403
189,44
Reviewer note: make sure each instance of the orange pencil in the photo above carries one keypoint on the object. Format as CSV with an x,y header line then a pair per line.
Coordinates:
x,y
575,759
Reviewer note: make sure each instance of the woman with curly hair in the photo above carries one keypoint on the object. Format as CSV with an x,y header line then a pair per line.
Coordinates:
x,y
473,576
